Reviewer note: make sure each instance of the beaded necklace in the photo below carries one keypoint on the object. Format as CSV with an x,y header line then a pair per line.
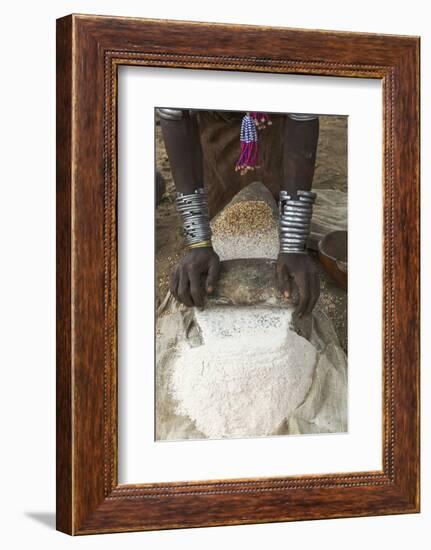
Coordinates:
x,y
249,152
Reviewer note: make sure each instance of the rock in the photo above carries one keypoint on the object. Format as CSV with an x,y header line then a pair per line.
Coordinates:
x,y
258,237
254,192
249,282
247,226
260,287
252,282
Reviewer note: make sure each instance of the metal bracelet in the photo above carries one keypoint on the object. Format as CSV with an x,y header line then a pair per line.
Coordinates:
x,y
193,209
302,117
170,114
295,221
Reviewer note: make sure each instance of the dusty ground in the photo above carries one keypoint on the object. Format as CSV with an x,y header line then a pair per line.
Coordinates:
x,y
331,173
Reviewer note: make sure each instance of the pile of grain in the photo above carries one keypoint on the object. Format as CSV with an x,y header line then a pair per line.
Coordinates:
x,y
245,229
244,218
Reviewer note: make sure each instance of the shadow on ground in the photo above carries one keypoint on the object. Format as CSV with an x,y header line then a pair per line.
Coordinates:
x,y
45,518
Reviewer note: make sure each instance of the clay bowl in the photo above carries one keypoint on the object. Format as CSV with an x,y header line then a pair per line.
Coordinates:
x,y
333,256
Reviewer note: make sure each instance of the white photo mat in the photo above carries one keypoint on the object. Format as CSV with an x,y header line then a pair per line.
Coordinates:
x,y
141,458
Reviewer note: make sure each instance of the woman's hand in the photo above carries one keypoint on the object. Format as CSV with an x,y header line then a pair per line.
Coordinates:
x,y
300,269
195,276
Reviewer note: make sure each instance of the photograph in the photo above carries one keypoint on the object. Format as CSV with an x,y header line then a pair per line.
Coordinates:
x,y
237,274
213,319
251,271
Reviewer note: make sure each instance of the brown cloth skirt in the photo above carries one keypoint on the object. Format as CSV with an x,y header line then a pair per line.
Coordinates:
x,y
219,133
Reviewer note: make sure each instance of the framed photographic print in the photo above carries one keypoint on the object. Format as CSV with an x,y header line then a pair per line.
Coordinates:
x,y
237,274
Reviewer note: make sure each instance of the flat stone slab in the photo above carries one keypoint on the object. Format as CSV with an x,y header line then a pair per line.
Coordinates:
x,y
248,282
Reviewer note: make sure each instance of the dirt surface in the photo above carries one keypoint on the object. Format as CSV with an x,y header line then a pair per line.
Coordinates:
x,y
331,173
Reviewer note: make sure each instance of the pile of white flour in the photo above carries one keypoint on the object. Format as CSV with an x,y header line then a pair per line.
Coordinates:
x,y
250,373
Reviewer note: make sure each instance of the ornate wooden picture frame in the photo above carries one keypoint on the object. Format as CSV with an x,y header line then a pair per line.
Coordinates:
x,y
89,51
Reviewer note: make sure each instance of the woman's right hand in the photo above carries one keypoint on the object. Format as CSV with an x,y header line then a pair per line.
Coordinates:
x,y
195,276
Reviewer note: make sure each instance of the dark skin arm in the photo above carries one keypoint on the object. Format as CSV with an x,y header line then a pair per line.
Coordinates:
x,y
299,157
197,272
